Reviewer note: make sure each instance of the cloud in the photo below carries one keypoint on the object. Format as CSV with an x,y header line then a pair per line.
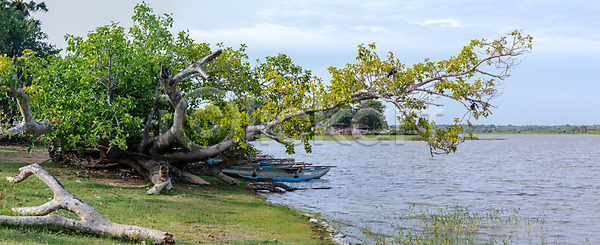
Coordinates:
x,y
558,45
442,22
371,28
266,34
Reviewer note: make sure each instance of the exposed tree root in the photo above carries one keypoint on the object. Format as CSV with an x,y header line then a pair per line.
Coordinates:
x,y
159,175
215,170
91,221
189,177
159,171
227,179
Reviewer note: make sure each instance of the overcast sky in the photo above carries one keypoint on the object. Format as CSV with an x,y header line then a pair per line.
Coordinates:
x,y
555,84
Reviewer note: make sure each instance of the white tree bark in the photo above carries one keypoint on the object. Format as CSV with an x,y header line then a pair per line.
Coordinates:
x,y
174,96
91,221
189,177
158,173
227,179
28,125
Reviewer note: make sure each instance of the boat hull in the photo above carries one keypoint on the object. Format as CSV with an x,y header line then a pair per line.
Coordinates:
x,y
277,174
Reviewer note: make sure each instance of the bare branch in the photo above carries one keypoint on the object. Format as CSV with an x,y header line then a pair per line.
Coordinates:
x,y
146,133
196,67
174,96
28,125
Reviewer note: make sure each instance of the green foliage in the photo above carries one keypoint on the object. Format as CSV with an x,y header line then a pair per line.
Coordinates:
x,y
343,116
535,129
20,35
364,113
370,117
373,104
460,78
19,74
104,102
19,31
287,89
104,88
213,123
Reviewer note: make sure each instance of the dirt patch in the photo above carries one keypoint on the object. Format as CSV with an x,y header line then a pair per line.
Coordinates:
x,y
19,154
118,177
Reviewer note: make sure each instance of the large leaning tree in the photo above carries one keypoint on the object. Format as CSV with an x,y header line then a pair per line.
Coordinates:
x,y
154,101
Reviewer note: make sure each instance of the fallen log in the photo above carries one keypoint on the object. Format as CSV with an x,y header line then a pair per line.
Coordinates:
x,y
91,221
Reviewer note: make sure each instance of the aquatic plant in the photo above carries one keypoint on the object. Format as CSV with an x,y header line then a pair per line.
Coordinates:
x,y
458,225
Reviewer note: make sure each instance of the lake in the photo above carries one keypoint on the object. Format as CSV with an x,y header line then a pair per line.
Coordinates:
x,y
554,176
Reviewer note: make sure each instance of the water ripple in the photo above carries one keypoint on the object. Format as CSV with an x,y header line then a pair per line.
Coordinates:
x,y
552,174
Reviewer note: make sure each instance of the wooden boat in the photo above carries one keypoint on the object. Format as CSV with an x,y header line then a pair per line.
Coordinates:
x,y
278,173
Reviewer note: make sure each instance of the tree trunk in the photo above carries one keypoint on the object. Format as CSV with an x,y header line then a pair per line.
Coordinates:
x,y
91,221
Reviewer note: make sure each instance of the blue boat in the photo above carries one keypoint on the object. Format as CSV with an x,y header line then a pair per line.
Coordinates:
x,y
278,173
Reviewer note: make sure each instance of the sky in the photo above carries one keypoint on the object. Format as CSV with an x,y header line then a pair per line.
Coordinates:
x,y
555,84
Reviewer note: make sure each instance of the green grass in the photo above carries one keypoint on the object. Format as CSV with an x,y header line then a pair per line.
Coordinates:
x,y
456,225
220,214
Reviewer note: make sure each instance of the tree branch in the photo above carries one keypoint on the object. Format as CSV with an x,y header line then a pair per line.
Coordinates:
x,y
251,131
174,96
28,125
146,133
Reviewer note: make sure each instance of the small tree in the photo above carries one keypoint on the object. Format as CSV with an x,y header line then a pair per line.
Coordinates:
x,y
369,117
18,32
374,104
368,113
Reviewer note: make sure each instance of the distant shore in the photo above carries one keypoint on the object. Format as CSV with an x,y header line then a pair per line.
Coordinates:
x,y
384,137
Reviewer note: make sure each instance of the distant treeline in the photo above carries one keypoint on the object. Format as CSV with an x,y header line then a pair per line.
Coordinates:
x,y
533,129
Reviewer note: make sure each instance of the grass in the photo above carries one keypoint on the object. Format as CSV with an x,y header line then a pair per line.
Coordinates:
x,y
220,214
457,225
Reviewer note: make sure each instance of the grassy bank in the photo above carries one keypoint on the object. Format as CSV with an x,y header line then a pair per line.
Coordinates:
x,y
220,214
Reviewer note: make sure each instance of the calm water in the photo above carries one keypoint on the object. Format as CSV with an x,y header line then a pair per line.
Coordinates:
x,y
555,175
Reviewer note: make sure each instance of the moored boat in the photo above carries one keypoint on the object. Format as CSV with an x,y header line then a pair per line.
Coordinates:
x,y
278,173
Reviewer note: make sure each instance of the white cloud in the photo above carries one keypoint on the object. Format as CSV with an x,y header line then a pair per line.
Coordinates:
x,y
274,37
377,29
565,46
442,23
371,28
265,31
